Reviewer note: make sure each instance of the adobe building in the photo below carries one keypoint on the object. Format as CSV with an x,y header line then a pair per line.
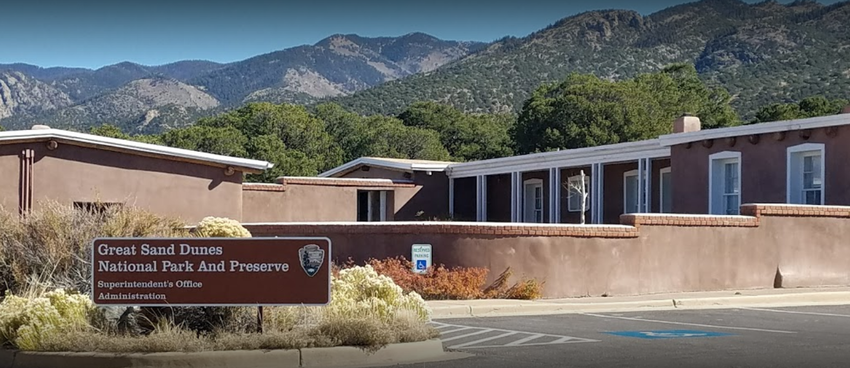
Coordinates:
x,y
367,189
690,171
88,171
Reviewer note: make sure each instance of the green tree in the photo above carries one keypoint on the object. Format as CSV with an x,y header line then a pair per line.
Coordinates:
x,y
808,107
227,141
380,136
584,110
466,136
303,135
113,131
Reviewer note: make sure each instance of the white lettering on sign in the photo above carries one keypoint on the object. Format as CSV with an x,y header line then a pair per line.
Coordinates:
x,y
421,257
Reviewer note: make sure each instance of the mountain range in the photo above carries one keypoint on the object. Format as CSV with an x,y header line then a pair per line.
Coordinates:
x,y
762,53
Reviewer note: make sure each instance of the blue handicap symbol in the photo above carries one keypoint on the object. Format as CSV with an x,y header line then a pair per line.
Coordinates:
x,y
421,264
668,334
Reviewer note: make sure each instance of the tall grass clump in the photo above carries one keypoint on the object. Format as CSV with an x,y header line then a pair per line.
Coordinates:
x,y
52,244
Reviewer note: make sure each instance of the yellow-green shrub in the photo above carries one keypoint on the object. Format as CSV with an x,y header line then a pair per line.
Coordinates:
x,y
221,227
361,292
26,322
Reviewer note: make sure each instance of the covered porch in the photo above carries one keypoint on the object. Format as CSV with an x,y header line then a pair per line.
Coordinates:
x,y
547,187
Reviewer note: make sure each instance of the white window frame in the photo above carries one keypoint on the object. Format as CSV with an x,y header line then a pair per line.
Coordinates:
x,y
641,195
797,153
588,180
535,182
668,171
722,158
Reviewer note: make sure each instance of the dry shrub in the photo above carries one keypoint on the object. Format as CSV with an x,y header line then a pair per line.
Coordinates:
x,y
53,243
366,333
459,283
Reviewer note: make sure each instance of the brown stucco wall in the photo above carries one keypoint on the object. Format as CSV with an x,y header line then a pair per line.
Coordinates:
x,y
763,171
465,199
613,202
568,217
657,254
430,196
657,165
10,173
499,198
300,203
81,174
378,173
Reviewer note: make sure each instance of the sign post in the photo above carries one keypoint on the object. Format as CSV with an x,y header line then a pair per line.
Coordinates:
x,y
211,272
421,258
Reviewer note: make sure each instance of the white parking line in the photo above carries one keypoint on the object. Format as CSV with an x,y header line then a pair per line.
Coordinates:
x,y
798,312
467,335
688,324
501,334
506,334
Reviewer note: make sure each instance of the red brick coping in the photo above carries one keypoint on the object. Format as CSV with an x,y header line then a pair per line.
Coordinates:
x,y
630,227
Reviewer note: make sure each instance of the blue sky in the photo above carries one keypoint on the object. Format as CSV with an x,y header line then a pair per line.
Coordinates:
x,y
86,33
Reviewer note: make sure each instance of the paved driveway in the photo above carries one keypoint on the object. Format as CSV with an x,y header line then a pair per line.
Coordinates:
x,y
800,337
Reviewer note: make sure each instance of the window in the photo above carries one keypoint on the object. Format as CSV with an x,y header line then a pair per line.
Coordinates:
x,y
630,193
371,205
575,195
533,200
806,174
666,191
725,183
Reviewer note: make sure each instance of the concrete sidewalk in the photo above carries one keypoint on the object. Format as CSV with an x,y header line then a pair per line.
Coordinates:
x,y
701,300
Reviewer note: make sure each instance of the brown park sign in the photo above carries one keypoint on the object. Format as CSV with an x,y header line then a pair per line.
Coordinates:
x,y
211,271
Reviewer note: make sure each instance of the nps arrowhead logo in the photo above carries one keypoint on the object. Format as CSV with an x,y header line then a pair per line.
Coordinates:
x,y
312,257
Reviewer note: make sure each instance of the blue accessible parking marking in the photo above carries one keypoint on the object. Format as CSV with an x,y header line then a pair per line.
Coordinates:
x,y
668,334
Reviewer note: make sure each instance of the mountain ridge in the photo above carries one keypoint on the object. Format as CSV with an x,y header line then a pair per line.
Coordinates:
x,y
763,53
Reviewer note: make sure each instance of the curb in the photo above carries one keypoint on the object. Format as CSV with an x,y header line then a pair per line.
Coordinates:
x,y
344,356
502,309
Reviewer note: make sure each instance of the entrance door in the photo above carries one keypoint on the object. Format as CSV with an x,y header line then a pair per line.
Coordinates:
x,y
533,200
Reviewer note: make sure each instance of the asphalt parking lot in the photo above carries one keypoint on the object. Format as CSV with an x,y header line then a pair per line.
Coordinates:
x,y
745,337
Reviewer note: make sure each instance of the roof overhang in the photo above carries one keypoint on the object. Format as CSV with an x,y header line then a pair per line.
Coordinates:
x,y
345,182
122,145
753,129
386,164
619,152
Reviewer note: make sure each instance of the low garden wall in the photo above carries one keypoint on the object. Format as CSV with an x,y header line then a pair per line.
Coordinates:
x,y
769,246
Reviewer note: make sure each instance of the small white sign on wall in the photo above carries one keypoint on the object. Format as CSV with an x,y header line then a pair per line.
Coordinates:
x,y
420,256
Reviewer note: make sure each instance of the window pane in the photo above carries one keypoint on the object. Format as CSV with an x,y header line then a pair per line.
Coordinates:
x,y
731,178
538,197
631,194
812,197
808,163
816,171
731,205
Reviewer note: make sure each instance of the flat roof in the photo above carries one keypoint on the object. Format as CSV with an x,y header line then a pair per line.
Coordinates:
x,y
343,182
576,157
758,128
133,146
388,163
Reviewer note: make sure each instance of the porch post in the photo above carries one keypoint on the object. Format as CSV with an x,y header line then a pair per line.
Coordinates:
x,y
640,185
551,195
600,193
514,192
451,197
519,196
479,199
557,196
648,186
597,194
